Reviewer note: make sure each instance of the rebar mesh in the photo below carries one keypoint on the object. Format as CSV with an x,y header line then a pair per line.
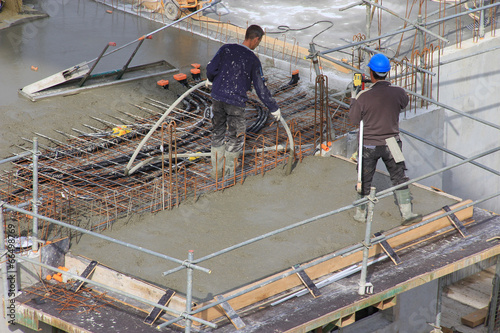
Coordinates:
x,y
82,181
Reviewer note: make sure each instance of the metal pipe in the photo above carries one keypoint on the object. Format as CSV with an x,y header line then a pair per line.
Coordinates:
x,y
117,291
15,158
86,76
125,67
380,194
157,124
348,250
416,25
435,172
189,291
350,6
439,302
482,166
116,241
418,68
469,55
492,322
369,40
465,114
356,203
34,235
368,232
481,20
208,5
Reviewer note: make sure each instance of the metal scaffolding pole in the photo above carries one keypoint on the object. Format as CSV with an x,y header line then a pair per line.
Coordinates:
x,y
116,241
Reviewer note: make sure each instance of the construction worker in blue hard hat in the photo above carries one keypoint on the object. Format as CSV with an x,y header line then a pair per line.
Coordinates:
x,y
379,108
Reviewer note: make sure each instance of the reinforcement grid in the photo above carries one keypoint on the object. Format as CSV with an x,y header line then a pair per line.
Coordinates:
x,y
82,181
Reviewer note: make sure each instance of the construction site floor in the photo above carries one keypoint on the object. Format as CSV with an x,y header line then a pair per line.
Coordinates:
x,y
429,260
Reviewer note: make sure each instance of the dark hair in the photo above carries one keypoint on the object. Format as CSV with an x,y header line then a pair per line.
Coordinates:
x,y
254,31
378,77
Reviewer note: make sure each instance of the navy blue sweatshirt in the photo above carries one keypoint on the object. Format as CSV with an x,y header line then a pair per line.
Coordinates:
x,y
232,71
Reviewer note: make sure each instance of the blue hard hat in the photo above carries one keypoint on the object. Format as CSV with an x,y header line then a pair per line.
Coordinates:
x,y
380,63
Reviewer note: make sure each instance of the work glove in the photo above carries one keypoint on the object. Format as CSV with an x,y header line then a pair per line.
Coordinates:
x,y
207,83
355,92
276,114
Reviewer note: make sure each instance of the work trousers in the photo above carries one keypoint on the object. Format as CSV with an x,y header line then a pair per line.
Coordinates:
x,y
228,119
371,155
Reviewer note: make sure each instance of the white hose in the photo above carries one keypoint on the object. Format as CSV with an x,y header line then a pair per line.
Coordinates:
x,y
158,123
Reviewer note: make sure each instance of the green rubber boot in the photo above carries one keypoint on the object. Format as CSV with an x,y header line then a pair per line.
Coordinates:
x,y
360,214
217,158
403,199
231,163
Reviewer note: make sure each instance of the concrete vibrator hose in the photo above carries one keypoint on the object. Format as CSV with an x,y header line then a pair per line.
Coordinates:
x,y
158,123
128,170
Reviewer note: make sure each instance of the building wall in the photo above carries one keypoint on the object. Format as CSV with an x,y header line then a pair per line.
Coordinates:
x,y
470,85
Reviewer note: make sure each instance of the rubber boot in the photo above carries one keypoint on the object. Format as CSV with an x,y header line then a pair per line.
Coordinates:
x,y
403,198
217,162
360,214
231,158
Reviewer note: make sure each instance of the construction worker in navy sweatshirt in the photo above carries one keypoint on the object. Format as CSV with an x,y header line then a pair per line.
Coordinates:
x,y
231,73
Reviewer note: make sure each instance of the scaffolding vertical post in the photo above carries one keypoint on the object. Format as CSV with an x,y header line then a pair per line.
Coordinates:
x,y
493,308
481,20
35,195
189,291
421,41
367,287
314,57
439,302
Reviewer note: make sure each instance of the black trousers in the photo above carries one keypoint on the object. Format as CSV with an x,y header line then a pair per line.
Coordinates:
x,y
231,119
370,159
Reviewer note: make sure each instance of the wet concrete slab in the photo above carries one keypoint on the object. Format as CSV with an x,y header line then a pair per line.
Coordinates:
x,y
260,205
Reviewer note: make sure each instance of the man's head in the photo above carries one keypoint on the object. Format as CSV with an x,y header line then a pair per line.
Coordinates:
x,y
253,36
379,66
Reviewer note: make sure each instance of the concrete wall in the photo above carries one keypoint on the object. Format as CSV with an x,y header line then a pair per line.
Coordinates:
x,y
470,85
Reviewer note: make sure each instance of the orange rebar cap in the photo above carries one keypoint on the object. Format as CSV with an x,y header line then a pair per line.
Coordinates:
x,y
180,76
195,65
162,83
195,71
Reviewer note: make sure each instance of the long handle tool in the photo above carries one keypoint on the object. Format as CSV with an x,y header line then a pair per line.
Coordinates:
x,y
360,156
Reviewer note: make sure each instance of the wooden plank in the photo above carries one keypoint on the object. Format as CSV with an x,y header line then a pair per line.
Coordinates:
x,y
123,282
475,318
333,264
155,313
231,314
389,250
306,280
456,222
78,284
